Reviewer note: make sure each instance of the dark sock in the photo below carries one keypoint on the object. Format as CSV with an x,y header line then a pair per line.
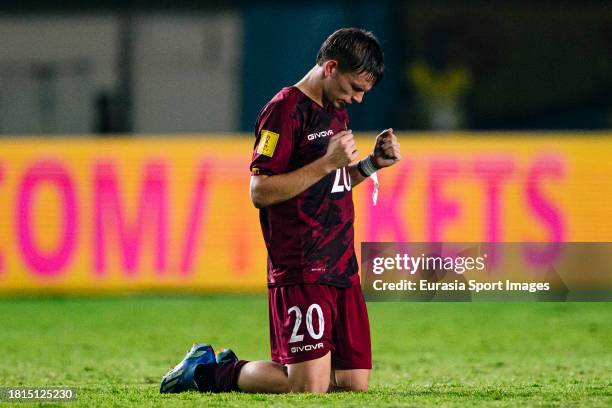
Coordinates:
x,y
219,377
204,377
226,375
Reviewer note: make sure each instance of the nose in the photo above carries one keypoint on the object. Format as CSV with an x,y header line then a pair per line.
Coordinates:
x,y
358,97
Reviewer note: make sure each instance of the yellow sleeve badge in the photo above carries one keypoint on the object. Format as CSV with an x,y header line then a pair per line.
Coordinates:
x,y
267,143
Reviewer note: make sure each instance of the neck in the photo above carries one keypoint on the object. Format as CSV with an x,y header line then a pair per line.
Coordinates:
x,y
311,85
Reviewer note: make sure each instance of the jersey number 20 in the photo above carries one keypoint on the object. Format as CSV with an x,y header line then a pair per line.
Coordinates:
x,y
295,337
341,185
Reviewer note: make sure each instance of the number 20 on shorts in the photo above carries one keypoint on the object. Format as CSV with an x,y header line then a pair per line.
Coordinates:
x,y
295,336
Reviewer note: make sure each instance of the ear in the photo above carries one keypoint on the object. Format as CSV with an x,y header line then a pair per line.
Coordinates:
x,y
328,67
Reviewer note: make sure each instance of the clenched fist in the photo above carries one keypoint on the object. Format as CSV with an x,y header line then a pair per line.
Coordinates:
x,y
341,150
386,149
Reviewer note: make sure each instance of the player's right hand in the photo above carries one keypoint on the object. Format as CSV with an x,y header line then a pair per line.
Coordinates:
x,y
341,150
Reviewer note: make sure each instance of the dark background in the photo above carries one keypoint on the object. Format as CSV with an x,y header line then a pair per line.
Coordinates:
x,y
528,64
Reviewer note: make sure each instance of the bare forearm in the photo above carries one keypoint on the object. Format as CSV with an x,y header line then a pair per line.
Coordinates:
x,y
275,189
356,176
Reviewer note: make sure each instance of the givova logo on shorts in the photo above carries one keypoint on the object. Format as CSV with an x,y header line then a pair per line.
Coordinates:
x,y
307,347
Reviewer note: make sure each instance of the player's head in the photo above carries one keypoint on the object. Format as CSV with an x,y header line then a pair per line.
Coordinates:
x,y
352,61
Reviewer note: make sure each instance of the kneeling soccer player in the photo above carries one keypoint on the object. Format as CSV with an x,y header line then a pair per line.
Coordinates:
x,y
301,181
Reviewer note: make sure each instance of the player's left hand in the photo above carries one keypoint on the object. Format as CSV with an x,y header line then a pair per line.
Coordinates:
x,y
386,149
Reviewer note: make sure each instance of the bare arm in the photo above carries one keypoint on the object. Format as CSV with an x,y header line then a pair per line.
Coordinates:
x,y
268,190
356,176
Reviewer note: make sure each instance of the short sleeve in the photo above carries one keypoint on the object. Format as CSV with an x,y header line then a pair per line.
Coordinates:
x,y
275,133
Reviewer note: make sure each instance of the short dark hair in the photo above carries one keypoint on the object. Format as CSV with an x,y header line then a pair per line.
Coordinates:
x,y
356,50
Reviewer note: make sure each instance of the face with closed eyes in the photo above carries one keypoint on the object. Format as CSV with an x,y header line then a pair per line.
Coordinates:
x,y
341,88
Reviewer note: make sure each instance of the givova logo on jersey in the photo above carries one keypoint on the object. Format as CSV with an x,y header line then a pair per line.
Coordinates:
x,y
323,133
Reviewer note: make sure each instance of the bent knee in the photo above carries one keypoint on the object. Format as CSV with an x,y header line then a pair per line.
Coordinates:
x,y
310,376
359,387
352,380
354,386
263,376
314,386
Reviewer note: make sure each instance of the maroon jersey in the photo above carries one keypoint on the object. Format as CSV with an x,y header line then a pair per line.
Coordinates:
x,y
309,237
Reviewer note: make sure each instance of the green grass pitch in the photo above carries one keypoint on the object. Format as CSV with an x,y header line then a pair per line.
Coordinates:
x,y
114,350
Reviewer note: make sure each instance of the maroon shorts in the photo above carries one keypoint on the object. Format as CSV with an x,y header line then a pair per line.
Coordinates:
x,y
307,321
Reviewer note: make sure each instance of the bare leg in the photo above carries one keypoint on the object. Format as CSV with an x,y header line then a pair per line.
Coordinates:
x,y
270,377
350,380
263,376
310,376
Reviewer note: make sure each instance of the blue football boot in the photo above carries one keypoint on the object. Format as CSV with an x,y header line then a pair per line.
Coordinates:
x,y
226,356
182,377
